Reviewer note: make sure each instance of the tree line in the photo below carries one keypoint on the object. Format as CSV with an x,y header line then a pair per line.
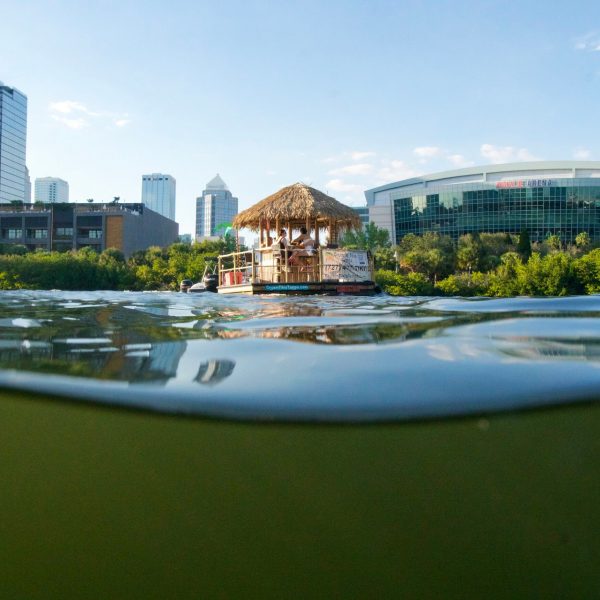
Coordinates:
x,y
152,269
486,264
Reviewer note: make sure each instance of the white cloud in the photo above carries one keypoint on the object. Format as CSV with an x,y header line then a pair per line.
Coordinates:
x,y
582,154
358,169
76,123
80,114
270,172
361,155
504,154
68,107
458,160
395,170
338,185
427,151
590,42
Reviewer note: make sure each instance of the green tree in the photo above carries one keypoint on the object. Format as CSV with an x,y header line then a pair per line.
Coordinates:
x,y
431,254
524,245
370,238
554,242
385,258
587,271
583,241
398,284
470,252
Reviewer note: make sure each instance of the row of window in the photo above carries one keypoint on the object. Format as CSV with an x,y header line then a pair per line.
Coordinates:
x,y
17,234
567,210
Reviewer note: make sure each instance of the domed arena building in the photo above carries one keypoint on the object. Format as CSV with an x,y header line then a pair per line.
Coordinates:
x,y
549,197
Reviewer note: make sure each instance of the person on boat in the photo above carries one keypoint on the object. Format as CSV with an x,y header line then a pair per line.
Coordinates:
x,y
282,240
304,246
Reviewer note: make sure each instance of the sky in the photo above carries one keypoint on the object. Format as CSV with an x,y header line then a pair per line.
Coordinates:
x,y
341,95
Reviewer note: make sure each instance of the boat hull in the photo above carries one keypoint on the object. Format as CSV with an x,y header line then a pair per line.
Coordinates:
x,y
330,288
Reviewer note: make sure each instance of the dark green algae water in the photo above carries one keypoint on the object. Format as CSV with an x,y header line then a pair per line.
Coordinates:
x,y
356,447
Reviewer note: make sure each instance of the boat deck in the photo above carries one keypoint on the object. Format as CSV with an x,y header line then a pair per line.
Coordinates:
x,y
269,271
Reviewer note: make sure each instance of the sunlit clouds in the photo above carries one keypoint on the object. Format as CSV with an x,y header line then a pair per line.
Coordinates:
x,y
506,154
590,42
75,115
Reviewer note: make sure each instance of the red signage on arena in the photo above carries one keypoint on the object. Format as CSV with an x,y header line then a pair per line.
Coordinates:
x,y
522,183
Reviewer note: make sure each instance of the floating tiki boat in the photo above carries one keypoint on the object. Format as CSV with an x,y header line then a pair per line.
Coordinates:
x,y
269,269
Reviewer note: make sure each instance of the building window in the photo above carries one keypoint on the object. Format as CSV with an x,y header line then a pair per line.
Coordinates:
x,y
64,232
12,234
95,234
37,234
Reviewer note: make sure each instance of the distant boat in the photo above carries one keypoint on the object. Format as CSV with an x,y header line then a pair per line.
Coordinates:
x,y
270,269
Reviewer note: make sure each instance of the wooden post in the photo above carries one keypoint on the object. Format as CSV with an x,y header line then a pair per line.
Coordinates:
x,y
317,231
277,227
260,234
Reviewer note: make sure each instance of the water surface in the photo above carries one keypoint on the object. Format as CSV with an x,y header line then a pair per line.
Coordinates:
x,y
301,358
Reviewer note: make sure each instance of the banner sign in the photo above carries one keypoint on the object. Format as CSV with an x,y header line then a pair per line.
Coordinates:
x,y
525,183
346,265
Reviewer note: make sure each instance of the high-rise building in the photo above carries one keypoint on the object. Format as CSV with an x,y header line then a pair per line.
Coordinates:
x,y
13,138
27,184
158,194
51,189
215,209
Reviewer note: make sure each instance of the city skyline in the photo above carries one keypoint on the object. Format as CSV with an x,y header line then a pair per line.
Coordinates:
x,y
344,96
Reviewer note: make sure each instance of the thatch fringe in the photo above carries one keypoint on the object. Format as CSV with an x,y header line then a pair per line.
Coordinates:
x,y
296,203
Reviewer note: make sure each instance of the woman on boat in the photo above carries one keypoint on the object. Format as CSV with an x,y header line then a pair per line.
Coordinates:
x,y
282,240
304,246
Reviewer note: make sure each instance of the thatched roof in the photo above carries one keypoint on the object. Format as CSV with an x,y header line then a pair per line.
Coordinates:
x,y
295,203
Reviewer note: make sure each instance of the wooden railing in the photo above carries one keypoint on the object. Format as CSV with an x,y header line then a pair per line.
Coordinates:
x,y
273,265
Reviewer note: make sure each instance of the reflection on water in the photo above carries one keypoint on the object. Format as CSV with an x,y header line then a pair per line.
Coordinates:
x,y
358,358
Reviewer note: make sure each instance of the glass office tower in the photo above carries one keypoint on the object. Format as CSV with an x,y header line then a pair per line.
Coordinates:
x,y
13,134
215,209
158,194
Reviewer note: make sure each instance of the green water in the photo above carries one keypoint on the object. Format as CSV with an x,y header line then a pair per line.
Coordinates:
x,y
104,503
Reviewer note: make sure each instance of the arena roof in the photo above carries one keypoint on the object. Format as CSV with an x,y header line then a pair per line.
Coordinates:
x,y
559,169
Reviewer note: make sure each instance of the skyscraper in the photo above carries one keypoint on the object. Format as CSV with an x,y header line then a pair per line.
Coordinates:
x,y
215,208
158,194
27,183
13,137
51,189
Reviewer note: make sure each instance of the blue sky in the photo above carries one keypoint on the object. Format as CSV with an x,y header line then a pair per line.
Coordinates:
x,y
343,95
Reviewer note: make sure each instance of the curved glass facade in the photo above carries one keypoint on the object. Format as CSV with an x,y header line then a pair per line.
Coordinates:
x,y
543,207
